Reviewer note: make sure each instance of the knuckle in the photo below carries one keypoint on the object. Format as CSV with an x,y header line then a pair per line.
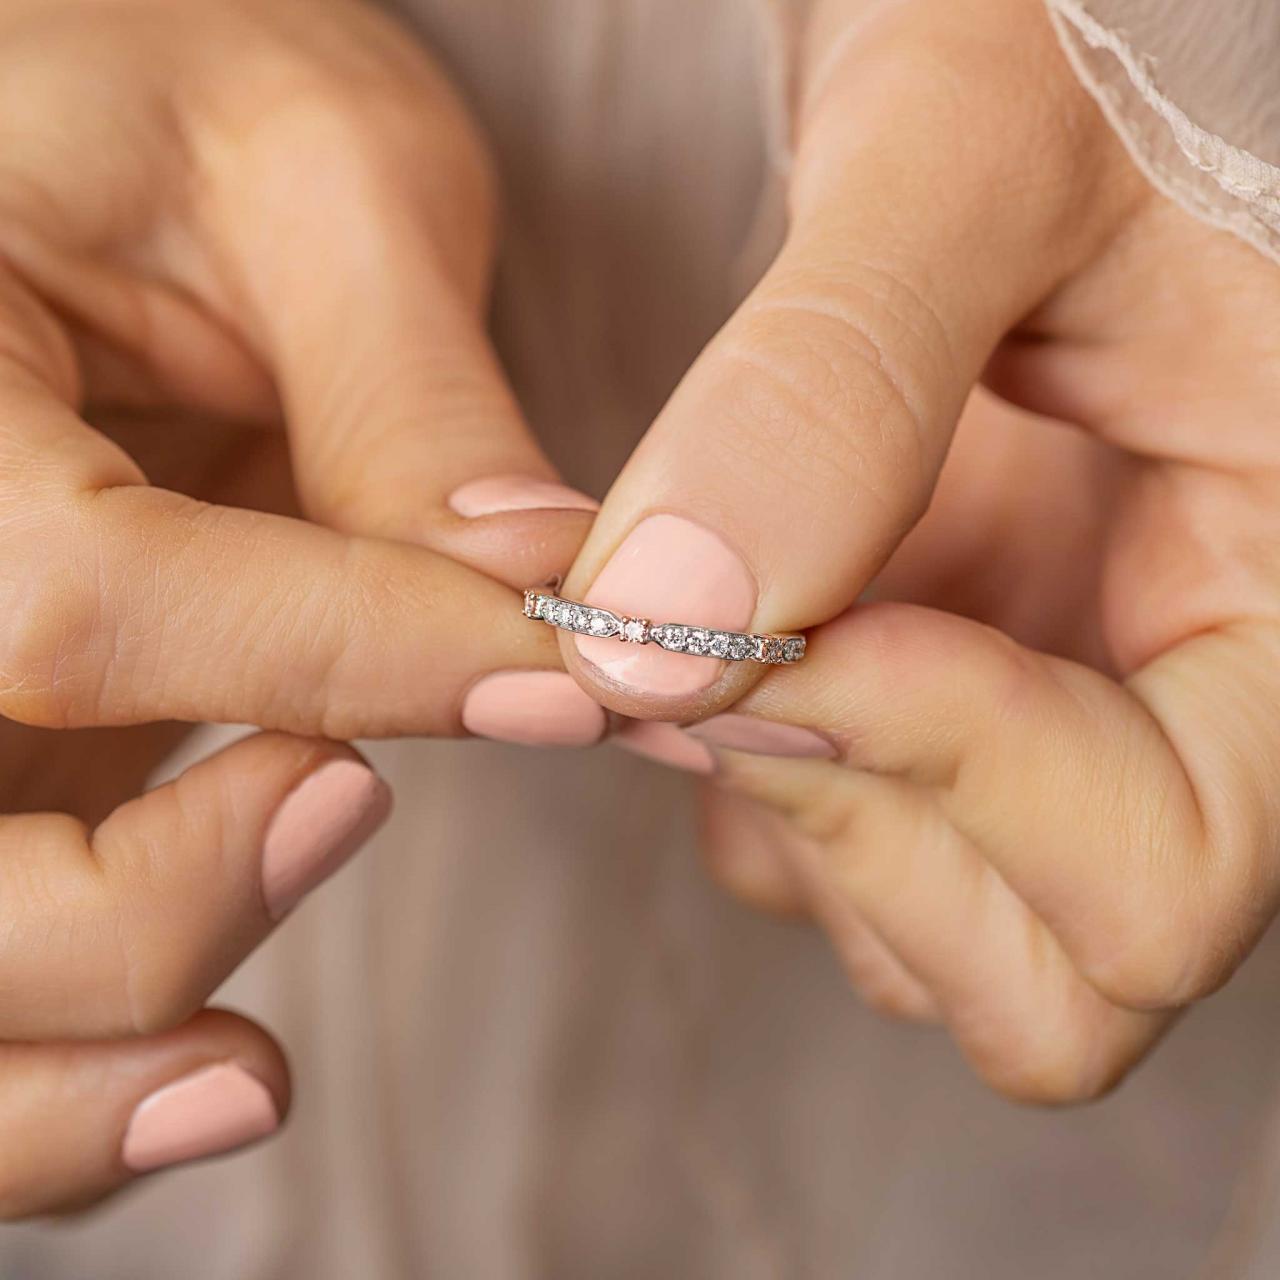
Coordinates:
x,y
1059,1070
378,123
50,658
1170,952
842,366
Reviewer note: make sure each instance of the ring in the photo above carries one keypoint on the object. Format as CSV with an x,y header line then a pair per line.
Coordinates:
x,y
677,637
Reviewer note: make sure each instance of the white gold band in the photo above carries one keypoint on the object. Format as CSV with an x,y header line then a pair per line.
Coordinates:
x,y
677,637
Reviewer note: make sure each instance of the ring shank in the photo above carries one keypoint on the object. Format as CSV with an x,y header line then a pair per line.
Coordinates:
x,y
676,637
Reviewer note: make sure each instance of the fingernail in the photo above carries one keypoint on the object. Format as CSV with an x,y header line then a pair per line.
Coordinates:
x,y
207,1112
666,744
321,823
537,708
669,569
762,737
492,495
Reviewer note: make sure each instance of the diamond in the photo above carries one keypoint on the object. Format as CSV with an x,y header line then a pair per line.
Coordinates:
x,y
793,649
579,619
602,624
773,650
741,648
697,642
669,636
719,646
635,630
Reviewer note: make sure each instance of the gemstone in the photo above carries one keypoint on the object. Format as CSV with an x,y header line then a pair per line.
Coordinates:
x,y
698,642
793,649
773,650
719,646
635,630
602,624
669,636
741,648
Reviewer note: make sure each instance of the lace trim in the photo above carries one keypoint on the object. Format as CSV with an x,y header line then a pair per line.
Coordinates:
x,y
1249,201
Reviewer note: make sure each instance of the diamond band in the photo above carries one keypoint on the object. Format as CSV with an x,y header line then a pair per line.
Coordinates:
x,y
676,637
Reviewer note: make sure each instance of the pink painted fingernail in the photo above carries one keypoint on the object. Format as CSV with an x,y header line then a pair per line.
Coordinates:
x,y
492,495
666,744
320,824
537,708
669,570
762,737
208,1112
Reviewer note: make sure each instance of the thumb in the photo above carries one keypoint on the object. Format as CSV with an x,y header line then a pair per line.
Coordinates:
x,y
807,438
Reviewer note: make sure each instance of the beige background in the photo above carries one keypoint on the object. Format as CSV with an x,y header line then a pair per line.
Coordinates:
x,y
529,1040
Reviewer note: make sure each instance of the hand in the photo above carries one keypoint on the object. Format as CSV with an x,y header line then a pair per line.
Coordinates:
x,y
1051,821
215,216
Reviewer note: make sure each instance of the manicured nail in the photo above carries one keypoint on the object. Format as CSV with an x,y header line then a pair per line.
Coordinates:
x,y
669,570
537,708
666,744
321,823
494,494
762,737
210,1111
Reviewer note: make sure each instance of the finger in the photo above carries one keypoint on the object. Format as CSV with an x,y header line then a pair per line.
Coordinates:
x,y
1137,820
125,603
807,438
370,312
741,843
885,855
127,929
762,859
78,1121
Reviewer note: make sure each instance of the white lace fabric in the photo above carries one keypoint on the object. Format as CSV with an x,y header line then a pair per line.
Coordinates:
x,y
1191,86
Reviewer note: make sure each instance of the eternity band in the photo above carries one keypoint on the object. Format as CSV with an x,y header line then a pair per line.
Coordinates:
x,y
677,637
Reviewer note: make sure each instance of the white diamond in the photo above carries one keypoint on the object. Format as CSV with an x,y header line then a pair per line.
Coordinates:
x,y
741,648
578,619
719,645
602,625
793,649
636,630
697,642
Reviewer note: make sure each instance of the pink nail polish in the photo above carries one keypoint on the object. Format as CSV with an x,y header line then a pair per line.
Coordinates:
x,y
213,1110
669,569
493,495
666,744
537,708
762,737
320,824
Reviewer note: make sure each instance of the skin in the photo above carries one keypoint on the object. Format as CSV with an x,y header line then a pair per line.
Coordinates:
x,y
1053,818
242,367
220,217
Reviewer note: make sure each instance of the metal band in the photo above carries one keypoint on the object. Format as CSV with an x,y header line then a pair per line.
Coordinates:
x,y
677,637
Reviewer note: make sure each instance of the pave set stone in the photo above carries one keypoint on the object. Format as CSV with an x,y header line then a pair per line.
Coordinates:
x,y
702,642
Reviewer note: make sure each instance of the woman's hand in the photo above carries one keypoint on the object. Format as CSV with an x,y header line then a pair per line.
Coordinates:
x,y
218,216
1051,821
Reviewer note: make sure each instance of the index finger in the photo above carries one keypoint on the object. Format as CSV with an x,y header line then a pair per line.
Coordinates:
x,y
125,603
